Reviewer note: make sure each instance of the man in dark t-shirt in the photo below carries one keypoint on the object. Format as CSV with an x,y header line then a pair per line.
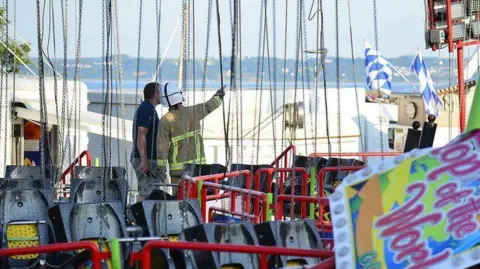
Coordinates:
x,y
144,153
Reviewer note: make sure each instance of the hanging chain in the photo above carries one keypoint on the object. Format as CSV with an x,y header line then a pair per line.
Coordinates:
x,y
337,65
324,72
284,74
380,117
205,62
317,70
225,121
185,7
304,61
362,146
259,59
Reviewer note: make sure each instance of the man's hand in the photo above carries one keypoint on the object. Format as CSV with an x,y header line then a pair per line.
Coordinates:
x,y
143,167
221,92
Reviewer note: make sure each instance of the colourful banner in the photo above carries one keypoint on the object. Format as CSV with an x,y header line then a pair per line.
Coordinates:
x,y
422,210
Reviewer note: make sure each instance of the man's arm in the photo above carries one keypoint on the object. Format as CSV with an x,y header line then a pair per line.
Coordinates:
x,y
163,148
142,148
202,110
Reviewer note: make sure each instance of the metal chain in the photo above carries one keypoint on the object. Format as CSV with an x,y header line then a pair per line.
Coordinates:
x,y
41,86
240,67
205,61
337,65
284,73
184,90
274,37
7,110
380,117
260,34
324,72
304,61
77,75
317,70
64,137
362,146
264,36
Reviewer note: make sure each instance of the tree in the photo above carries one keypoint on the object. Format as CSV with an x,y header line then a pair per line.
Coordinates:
x,y
16,54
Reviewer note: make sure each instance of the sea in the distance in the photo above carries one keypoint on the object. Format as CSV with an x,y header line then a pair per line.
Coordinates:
x,y
130,85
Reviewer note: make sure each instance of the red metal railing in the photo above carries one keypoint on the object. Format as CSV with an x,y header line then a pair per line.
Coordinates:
x,y
281,198
263,251
191,184
281,181
363,155
97,256
289,150
260,199
212,209
321,182
78,160
322,202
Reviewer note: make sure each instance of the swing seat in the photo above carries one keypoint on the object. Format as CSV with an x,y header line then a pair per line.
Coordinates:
x,y
31,172
309,163
88,172
88,221
289,234
150,214
91,190
25,223
238,234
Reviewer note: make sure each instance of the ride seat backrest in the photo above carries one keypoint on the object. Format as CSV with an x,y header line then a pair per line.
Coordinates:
x,y
23,184
24,205
91,190
77,222
333,176
240,181
29,172
88,172
195,170
237,234
289,234
151,214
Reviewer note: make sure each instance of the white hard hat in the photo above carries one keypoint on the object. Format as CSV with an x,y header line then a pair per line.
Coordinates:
x,y
171,95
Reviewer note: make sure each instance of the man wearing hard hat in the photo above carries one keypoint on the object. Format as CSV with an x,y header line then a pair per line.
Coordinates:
x,y
179,139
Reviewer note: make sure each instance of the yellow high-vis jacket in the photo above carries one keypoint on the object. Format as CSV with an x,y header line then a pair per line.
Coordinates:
x,y
179,139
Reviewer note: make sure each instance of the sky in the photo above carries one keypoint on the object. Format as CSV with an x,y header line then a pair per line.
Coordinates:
x,y
401,27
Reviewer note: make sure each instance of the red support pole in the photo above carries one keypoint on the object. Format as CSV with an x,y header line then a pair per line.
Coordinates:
x,y
461,87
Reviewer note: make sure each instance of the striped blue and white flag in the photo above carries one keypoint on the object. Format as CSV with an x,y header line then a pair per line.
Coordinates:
x,y
379,73
430,97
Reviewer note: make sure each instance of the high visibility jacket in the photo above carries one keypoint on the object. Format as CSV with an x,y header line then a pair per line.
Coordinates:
x,y
179,139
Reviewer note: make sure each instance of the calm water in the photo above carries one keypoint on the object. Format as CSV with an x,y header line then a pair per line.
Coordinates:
x,y
131,85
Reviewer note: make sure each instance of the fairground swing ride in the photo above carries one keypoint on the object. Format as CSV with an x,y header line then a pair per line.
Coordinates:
x,y
413,207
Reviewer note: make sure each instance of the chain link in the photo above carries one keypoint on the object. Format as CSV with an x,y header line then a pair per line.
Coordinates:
x,y
259,61
337,65
380,117
362,146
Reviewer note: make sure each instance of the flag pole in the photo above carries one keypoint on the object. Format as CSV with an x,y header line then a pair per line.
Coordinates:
x,y
473,118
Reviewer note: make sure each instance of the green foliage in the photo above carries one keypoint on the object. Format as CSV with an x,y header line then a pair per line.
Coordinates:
x,y
17,53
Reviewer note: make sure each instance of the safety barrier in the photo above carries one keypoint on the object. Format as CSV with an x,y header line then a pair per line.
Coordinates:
x,y
363,155
281,181
97,256
321,182
71,169
260,199
193,184
321,224
284,155
262,251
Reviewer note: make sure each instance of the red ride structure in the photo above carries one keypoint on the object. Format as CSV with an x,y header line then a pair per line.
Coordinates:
x,y
454,24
